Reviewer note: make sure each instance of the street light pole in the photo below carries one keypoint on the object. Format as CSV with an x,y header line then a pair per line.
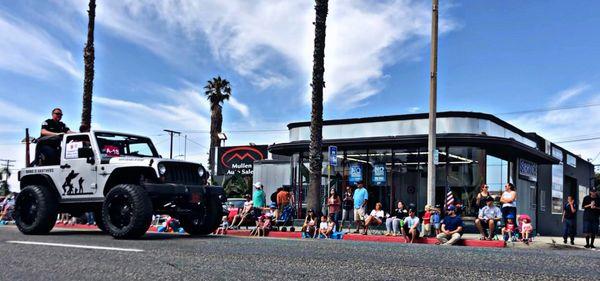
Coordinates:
x,y
432,106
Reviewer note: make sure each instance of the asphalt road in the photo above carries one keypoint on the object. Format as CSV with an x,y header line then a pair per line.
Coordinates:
x,y
181,257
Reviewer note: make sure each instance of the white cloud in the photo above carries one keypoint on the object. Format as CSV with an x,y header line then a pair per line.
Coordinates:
x,y
414,109
29,50
271,42
237,105
564,125
570,93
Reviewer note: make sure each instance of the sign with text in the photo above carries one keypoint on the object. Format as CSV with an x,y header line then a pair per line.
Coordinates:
x,y
355,173
379,176
239,159
527,170
333,156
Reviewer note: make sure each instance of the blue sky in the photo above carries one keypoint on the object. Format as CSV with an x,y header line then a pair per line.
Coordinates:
x,y
154,57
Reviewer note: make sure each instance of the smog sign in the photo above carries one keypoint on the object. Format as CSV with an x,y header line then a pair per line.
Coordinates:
x,y
239,159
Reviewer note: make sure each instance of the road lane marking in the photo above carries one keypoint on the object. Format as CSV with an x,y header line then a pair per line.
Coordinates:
x,y
75,246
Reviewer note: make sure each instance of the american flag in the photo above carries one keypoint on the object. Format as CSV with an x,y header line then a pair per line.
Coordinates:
x,y
449,198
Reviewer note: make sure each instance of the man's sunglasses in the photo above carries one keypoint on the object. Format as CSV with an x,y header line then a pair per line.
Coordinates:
x,y
57,113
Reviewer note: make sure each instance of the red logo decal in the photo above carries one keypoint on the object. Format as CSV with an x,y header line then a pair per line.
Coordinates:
x,y
241,153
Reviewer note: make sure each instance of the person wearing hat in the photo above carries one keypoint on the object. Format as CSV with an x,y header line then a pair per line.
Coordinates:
x,y
487,218
591,212
410,227
259,199
452,227
508,231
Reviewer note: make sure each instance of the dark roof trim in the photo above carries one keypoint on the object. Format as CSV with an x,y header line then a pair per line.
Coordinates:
x,y
444,114
497,145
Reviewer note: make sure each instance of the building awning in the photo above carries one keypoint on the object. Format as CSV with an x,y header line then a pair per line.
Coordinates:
x,y
505,148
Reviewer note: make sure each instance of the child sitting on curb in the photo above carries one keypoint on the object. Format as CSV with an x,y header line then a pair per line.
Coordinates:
x,y
509,229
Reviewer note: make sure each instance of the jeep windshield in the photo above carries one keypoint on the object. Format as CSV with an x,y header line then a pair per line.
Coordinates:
x,y
117,145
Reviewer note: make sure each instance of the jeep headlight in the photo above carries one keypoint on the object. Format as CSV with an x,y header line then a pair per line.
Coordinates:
x,y
162,169
201,171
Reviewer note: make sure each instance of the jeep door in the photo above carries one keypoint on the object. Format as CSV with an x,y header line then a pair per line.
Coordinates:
x,y
78,169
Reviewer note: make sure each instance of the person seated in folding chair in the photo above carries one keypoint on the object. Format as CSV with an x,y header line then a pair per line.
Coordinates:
x,y
375,217
487,218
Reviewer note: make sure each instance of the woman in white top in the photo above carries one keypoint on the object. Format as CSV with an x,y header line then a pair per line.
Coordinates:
x,y
375,217
509,201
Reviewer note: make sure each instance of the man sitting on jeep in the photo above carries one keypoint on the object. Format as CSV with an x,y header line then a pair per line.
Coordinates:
x,y
47,153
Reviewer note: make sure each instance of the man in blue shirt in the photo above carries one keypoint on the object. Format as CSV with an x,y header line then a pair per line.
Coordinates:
x,y
452,227
361,196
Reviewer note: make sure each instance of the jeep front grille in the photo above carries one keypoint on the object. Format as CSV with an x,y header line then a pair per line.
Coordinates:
x,y
182,173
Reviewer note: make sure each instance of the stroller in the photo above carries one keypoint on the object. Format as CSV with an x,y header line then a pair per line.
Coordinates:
x,y
286,219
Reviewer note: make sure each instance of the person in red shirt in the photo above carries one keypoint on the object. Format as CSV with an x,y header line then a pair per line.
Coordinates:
x,y
427,221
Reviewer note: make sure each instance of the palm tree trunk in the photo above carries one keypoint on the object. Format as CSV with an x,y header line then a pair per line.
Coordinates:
x,y
216,123
316,121
88,81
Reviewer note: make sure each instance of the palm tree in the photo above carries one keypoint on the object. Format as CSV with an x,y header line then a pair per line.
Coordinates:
x,y
316,120
88,80
217,90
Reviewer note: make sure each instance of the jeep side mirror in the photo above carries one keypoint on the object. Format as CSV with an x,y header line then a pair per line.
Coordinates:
x,y
87,153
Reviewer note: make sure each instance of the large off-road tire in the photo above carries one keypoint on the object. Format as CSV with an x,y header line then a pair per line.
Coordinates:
x,y
205,220
127,211
35,210
100,221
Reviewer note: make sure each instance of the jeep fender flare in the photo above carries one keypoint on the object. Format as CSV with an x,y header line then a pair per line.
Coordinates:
x,y
129,175
40,179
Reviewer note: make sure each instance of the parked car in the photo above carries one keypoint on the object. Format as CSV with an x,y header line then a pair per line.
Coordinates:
x,y
233,206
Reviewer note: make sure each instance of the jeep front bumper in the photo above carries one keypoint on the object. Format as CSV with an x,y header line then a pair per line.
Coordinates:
x,y
188,193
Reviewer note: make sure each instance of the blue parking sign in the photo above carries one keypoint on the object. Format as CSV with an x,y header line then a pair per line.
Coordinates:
x,y
333,155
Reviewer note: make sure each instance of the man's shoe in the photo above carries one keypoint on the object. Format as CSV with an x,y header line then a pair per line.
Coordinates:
x,y
592,247
572,242
564,241
586,246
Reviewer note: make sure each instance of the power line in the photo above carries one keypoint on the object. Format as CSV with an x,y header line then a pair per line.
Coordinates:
x,y
548,109
237,131
579,140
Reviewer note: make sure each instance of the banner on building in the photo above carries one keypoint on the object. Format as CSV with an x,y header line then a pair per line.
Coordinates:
x,y
379,176
239,159
355,173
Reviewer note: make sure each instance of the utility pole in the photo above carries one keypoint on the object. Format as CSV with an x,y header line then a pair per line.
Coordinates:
x,y
185,147
432,106
171,133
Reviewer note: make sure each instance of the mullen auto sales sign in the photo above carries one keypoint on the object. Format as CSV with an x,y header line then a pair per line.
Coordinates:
x,y
239,159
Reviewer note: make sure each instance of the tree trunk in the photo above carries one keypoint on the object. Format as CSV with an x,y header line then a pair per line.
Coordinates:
x,y
316,121
88,81
216,122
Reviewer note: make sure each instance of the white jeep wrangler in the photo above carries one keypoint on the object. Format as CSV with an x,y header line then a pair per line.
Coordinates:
x,y
119,177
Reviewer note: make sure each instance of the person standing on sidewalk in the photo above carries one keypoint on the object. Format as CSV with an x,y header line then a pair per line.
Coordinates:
x,y
361,196
258,197
333,205
591,212
568,219
347,207
509,201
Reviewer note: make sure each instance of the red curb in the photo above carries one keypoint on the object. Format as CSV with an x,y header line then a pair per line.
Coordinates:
x,y
377,238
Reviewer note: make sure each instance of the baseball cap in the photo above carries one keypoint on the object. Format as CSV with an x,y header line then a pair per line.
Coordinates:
x,y
593,189
411,210
510,216
451,208
258,184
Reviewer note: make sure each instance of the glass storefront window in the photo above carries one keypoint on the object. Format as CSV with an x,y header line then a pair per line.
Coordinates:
x,y
465,176
496,174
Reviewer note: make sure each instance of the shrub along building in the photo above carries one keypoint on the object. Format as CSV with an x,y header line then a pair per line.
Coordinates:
x,y
389,153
